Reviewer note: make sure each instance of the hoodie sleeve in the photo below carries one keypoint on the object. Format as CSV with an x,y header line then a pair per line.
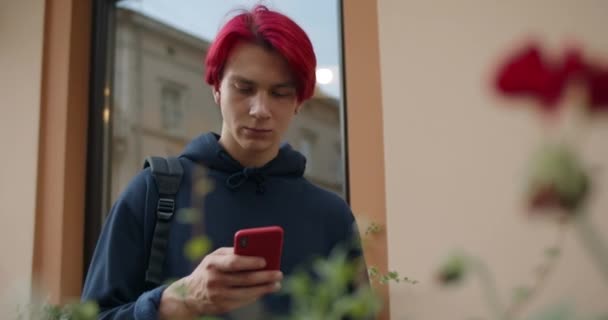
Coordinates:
x,y
354,246
344,235
349,239
344,230
116,276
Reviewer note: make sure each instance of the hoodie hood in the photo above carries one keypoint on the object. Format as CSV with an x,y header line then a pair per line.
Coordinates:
x,y
206,150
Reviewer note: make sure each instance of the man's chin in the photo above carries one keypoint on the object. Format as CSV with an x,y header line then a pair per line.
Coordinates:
x,y
256,146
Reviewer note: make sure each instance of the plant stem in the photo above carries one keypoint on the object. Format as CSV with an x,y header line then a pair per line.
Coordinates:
x,y
541,277
593,243
489,287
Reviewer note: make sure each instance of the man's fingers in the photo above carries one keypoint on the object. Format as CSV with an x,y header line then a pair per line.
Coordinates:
x,y
251,293
250,278
234,298
234,263
223,251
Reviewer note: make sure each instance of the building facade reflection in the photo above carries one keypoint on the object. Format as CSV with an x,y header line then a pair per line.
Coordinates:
x,y
161,102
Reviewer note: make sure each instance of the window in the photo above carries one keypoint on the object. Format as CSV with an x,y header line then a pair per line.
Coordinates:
x,y
149,96
172,109
307,141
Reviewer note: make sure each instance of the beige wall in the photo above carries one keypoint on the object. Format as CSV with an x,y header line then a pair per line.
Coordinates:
x,y
21,34
455,155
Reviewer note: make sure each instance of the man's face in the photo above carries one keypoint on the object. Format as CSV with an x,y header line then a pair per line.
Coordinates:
x,y
258,99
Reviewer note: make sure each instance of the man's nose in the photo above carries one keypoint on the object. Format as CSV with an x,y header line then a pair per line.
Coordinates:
x,y
260,106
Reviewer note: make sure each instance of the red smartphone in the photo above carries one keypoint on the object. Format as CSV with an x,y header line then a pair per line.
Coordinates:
x,y
265,242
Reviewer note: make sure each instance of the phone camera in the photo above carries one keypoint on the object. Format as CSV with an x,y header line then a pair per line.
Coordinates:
x,y
243,242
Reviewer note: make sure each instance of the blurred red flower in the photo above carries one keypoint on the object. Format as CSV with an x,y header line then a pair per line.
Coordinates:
x,y
528,73
597,84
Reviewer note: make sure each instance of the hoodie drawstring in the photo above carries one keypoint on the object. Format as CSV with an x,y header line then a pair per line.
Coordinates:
x,y
238,178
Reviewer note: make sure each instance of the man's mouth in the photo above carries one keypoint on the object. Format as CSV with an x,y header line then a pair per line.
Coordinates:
x,y
258,130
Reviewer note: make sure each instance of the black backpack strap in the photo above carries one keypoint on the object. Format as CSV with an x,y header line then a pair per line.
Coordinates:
x,y
167,173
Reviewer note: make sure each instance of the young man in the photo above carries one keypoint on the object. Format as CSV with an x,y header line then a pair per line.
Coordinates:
x,y
261,67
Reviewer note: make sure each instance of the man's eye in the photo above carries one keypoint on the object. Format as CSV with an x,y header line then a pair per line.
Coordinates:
x,y
243,88
283,93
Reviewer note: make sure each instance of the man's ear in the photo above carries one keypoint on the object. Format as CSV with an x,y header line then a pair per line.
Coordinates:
x,y
216,96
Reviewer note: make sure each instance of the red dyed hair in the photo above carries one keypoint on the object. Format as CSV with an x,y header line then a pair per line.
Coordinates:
x,y
272,30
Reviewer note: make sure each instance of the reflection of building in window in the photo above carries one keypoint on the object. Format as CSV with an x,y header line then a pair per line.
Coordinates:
x,y
172,108
315,132
160,98
338,166
306,146
163,103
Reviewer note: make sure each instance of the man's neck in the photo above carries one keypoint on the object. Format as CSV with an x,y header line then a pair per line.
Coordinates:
x,y
247,159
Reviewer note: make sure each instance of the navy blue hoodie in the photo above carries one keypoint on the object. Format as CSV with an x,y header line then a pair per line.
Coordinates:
x,y
314,221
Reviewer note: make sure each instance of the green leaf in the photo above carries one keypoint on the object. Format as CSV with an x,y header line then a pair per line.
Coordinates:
x,y
203,186
85,311
189,216
555,312
372,271
453,270
373,228
51,311
411,281
521,293
552,252
197,247
326,296
558,167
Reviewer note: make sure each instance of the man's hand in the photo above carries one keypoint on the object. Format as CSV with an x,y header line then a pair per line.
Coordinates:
x,y
222,282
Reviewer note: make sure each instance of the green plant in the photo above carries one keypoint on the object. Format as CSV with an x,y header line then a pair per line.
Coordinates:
x,y
329,293
336,288
372,230
70,311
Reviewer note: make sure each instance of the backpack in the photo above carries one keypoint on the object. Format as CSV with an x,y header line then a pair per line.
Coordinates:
x,y
167,174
